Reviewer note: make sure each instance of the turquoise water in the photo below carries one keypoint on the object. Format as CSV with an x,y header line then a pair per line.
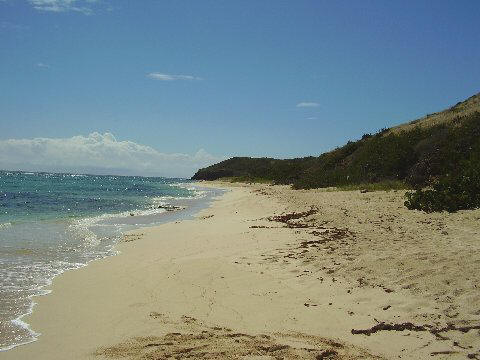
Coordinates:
x,y
50,223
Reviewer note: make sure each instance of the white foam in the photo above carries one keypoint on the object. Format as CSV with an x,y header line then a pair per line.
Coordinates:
x,y
191,187
166,200
40,291
22,324
5,225
82,226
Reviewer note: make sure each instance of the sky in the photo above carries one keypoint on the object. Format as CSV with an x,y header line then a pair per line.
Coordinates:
x,y
164,87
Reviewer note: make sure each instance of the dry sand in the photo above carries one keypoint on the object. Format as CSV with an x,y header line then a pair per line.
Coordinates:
x,y
271,273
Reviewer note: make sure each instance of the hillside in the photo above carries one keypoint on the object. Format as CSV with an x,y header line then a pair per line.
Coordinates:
x,y
417,153
462,108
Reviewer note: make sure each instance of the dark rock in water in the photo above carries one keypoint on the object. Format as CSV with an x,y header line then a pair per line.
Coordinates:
x,y
169,207
132,214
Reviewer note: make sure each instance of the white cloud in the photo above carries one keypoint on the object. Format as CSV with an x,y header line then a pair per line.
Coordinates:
x,y
169,77
99,154
42,65
307,104
83,6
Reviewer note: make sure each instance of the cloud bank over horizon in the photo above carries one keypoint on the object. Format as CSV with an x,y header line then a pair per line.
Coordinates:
x,y
98,154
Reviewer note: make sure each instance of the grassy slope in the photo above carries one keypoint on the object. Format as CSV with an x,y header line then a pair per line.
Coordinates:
x,y
463,108
414,153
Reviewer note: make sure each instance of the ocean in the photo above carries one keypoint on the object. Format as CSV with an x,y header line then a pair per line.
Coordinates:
x,y
51,223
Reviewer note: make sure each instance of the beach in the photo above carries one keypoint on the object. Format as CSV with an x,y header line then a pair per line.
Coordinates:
x,y
267,272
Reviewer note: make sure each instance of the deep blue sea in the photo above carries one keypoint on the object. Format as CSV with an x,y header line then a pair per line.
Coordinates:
x,y
50,223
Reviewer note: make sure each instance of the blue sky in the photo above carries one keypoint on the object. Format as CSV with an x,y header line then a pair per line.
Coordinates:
x,y
252,78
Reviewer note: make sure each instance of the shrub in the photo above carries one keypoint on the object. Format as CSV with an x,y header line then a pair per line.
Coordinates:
x,y
451,192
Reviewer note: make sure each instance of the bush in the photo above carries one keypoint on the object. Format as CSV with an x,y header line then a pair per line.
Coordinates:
x,y
451,192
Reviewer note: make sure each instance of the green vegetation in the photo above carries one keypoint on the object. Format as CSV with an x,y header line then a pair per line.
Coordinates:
x,y
451,192
444,158
379,186
245,179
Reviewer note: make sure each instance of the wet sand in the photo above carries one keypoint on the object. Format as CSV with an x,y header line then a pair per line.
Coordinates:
x,y
271,273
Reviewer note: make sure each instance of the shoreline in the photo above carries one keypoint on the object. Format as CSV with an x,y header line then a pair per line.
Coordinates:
x,y
234,270
180,215
147,218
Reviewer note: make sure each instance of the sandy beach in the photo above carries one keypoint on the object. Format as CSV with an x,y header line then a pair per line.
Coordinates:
x,y
268,272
